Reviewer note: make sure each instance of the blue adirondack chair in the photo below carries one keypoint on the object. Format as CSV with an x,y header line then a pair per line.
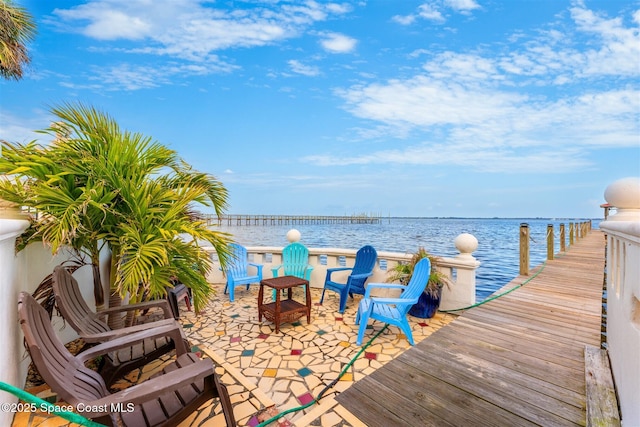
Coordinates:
x,y
393,310
295,262
237,272
362,269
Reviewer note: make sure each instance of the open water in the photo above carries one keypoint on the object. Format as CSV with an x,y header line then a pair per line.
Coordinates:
x,y
498,240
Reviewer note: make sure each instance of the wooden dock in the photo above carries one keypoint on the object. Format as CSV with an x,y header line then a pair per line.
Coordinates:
x,y
518,360
255,220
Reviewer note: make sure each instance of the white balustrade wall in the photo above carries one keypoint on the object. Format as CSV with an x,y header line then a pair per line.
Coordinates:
x,y
460,270
29,267
9,288
24,272
623,294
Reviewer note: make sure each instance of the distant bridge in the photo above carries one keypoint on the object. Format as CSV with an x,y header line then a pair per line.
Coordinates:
x,y
245,220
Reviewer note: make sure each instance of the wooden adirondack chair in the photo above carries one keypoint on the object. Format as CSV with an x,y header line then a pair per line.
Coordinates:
x,y
92,329
237,270
164,400
295,262
393,310
363,268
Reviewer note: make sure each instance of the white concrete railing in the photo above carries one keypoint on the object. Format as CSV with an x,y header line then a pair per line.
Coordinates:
x,y
9,336
460,270
623,294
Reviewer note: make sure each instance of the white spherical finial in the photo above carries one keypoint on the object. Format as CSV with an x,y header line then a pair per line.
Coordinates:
x,y
293,235
624,194
466,243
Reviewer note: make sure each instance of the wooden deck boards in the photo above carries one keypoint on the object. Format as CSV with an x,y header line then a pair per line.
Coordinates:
x,y
515,361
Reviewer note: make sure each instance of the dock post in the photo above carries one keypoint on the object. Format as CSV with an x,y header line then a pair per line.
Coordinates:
x,y
571,231
524,249
550,242
563,246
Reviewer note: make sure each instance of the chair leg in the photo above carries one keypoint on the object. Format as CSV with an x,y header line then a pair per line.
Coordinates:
x,y
187,301
364,319
232,293
225,401
343,301
404,326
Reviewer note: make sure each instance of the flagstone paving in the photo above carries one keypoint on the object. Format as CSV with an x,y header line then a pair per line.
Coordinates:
x,y
269,374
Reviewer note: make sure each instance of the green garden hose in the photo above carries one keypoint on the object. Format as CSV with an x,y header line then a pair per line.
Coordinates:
x,y
328,386
35,403
491,298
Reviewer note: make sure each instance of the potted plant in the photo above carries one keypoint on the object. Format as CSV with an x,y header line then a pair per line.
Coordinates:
x,y
429,301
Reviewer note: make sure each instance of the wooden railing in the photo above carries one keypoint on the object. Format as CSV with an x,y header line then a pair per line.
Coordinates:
x,y
576,232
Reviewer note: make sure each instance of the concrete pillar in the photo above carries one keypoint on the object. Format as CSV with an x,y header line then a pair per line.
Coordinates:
x,y
11,226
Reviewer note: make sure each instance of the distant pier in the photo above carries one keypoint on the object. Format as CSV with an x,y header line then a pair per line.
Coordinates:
x,y
261,220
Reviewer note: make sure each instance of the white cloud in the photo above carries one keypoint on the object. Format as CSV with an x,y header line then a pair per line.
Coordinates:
x,y
299,68
434,11
462,6
338,43
404,20
503,112
22,130
130,77
430,13
620,46
191,29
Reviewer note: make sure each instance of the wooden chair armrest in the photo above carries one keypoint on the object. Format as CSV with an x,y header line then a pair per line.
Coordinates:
x,y
330,271
257,266
115,333
173,331
371,286
361,276
339,269
151,388
396,301
162,303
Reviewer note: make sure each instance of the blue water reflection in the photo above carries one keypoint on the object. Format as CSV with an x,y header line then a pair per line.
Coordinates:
x,y
498,240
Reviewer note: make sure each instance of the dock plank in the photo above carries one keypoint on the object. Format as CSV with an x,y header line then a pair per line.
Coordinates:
x,y
517,360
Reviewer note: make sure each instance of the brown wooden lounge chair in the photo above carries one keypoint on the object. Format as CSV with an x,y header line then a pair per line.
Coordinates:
x,y
92,329
163,400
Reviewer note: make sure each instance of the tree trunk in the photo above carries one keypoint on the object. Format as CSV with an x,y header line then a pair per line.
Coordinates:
x,y
98,292
116,320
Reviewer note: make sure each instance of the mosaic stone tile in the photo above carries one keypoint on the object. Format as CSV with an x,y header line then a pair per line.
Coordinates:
x,y
305,398
270,372
263,370
304,372
347,376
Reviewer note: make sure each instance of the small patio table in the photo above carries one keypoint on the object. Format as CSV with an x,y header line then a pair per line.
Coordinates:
x,y
286,310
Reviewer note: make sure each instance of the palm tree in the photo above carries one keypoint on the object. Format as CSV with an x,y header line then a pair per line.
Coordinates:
x,y
99,186
16,30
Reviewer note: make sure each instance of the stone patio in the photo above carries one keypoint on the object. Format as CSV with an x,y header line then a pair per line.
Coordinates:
x,y
268,373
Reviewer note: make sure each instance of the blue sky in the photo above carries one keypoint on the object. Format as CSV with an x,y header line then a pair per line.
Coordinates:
x,y
471,108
